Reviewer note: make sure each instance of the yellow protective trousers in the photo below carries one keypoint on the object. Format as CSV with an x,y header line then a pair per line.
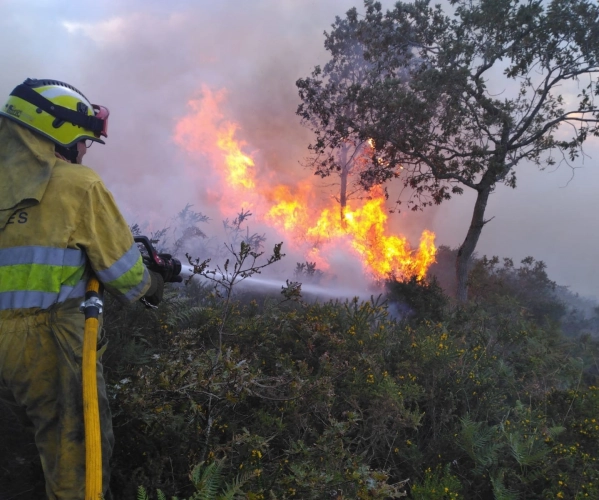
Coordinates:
x,y
40,370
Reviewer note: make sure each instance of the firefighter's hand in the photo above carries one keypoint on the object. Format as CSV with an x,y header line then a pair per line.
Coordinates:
x,y
156,290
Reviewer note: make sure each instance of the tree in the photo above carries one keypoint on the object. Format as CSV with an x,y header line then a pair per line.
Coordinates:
x,y
351,157
430,103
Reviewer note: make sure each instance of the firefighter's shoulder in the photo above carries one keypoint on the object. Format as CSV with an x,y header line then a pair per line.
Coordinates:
x,y
75,175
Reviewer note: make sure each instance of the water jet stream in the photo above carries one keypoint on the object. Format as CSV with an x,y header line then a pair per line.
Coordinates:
x,y
315,291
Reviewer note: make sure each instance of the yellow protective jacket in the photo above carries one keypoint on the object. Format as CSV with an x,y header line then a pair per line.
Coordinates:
x,y
58,225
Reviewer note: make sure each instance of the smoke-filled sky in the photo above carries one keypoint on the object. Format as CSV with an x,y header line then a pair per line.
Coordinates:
x,y
145,60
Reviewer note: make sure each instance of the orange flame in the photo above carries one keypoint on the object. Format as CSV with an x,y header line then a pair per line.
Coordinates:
x,y
296,211
239,165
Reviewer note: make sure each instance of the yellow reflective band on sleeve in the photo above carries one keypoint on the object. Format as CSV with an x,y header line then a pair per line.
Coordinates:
x,y
121,267
131,283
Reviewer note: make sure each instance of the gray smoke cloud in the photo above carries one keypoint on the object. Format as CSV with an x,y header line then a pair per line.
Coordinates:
x,y
146,60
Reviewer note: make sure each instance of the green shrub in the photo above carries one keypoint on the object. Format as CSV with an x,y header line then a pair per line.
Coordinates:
x,y
341,399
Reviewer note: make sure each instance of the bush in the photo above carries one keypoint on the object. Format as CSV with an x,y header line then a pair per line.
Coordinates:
x,y
289,399
417,300
316,398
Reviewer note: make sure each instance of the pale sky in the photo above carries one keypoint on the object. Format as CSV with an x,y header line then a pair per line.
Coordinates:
x,y
146,59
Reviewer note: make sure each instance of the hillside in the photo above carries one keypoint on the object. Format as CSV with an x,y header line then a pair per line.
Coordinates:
x,y
405,394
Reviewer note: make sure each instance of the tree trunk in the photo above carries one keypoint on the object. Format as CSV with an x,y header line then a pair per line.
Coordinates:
x,y
343,195
345,168
467,249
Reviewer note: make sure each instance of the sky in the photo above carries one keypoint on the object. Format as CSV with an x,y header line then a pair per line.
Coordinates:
x,y
146,60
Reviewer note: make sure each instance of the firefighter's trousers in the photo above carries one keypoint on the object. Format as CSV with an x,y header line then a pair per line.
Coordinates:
x,y
40,370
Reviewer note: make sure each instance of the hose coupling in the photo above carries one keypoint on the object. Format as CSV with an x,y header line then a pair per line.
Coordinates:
x,y
93,301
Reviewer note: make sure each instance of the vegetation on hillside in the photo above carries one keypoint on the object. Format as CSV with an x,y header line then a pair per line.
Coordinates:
x,y
406,395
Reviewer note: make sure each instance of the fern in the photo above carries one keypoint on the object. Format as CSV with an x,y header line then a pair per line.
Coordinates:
x,y
500,492
180,312
207,480
556,431
142,494
235,488
183,317
527,451
477,440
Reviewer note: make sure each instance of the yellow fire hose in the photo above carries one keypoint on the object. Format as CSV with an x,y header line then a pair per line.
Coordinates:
x,y
92,307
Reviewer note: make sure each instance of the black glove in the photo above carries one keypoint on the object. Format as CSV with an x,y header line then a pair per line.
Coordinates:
x,y
156,290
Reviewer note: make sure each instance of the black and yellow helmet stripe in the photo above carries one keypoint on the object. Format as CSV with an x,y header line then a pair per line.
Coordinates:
x,y
79,118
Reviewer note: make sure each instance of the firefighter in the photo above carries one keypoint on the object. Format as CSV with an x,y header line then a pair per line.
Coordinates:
x,y
59,226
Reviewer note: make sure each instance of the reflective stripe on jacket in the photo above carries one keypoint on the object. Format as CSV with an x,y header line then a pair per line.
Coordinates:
x,y
49,250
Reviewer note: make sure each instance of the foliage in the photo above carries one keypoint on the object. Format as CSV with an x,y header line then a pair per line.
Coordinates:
x,y
307,272
235,235
458,99
527,286
208,482
225,278
419,300
437,485
341,399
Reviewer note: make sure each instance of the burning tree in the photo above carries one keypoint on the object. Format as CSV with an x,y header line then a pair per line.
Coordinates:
x,y
310,224
353,156
352,161
425,100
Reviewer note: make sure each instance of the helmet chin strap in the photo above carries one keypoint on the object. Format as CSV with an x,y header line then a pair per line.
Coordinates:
x,y
69,153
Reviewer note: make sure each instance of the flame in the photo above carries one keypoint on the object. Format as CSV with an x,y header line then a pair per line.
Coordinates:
x,y
239,166
364,227
288,211
319,226
387,254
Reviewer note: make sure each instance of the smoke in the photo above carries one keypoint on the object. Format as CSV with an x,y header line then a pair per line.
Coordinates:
x,y
146,60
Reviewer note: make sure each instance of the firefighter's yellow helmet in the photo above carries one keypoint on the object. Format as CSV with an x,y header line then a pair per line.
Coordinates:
x,y
56,110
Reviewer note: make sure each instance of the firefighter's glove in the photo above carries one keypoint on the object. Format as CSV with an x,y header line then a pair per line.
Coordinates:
x,y
156,290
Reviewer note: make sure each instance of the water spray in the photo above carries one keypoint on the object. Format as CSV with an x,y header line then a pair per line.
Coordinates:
x,y
317,291
172,270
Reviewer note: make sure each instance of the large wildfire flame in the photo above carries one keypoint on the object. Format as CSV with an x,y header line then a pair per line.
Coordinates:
x,y
318,226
